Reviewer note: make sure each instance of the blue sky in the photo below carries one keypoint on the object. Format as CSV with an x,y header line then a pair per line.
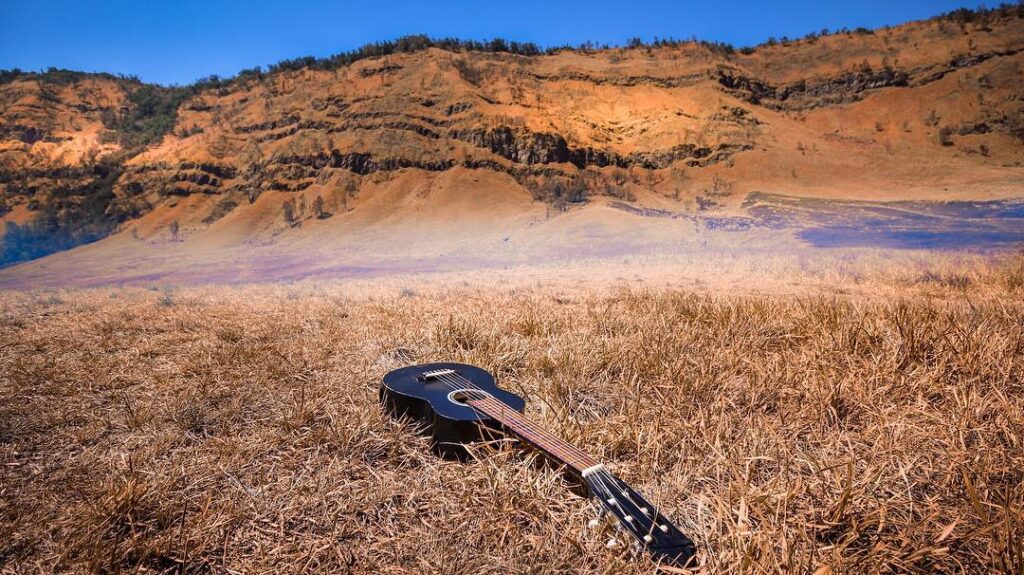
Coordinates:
x,y
179,41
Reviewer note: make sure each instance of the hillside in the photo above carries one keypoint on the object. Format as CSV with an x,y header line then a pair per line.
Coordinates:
x,y
420,151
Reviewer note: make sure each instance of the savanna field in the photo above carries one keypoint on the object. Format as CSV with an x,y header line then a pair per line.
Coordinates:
x,y
764,263
878,427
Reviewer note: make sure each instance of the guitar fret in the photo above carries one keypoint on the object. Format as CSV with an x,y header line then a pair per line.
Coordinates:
x,y
555,447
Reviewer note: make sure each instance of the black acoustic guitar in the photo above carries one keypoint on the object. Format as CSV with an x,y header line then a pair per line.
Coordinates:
x,y
457,404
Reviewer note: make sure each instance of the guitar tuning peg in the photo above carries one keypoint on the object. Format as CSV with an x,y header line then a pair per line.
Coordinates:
x,y
600,516
612,543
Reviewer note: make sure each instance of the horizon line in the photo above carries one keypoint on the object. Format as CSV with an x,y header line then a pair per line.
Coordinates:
x,y
587,46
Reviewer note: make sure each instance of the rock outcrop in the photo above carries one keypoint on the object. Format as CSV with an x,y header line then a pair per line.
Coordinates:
x,y
80,158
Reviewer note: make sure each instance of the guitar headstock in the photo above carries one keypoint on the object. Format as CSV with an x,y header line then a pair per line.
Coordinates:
x,y
653,532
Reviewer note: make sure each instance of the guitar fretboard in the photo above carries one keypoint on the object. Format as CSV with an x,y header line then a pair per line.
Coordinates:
x,y
555,447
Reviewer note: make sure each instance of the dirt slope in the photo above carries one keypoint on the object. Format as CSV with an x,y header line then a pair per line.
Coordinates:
x,y
415,153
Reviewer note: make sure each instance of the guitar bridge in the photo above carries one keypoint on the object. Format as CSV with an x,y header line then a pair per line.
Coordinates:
x,y
435,374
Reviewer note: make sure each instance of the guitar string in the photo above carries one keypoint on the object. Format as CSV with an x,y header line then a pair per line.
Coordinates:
x,y
556,444
652,511
527,423
603,476
565,446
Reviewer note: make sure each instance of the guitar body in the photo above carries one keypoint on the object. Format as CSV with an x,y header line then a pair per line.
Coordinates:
x,y
433,403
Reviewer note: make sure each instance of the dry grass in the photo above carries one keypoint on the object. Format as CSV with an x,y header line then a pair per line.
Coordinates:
x,y
236,430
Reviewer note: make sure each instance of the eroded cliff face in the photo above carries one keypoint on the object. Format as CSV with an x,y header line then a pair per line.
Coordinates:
x,y
914,109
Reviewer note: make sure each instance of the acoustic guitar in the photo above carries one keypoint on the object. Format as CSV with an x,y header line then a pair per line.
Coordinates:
x,y
458,404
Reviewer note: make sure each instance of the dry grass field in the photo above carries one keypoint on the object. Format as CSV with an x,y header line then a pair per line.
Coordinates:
x,y
878,428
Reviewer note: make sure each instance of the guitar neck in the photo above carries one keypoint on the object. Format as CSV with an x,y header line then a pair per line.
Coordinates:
x,y
554,447
650,529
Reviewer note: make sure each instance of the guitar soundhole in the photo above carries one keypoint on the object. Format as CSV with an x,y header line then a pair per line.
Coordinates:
x,y
461,396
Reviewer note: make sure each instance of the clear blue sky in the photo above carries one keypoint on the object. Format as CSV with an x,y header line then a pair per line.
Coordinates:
x,y
177,41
